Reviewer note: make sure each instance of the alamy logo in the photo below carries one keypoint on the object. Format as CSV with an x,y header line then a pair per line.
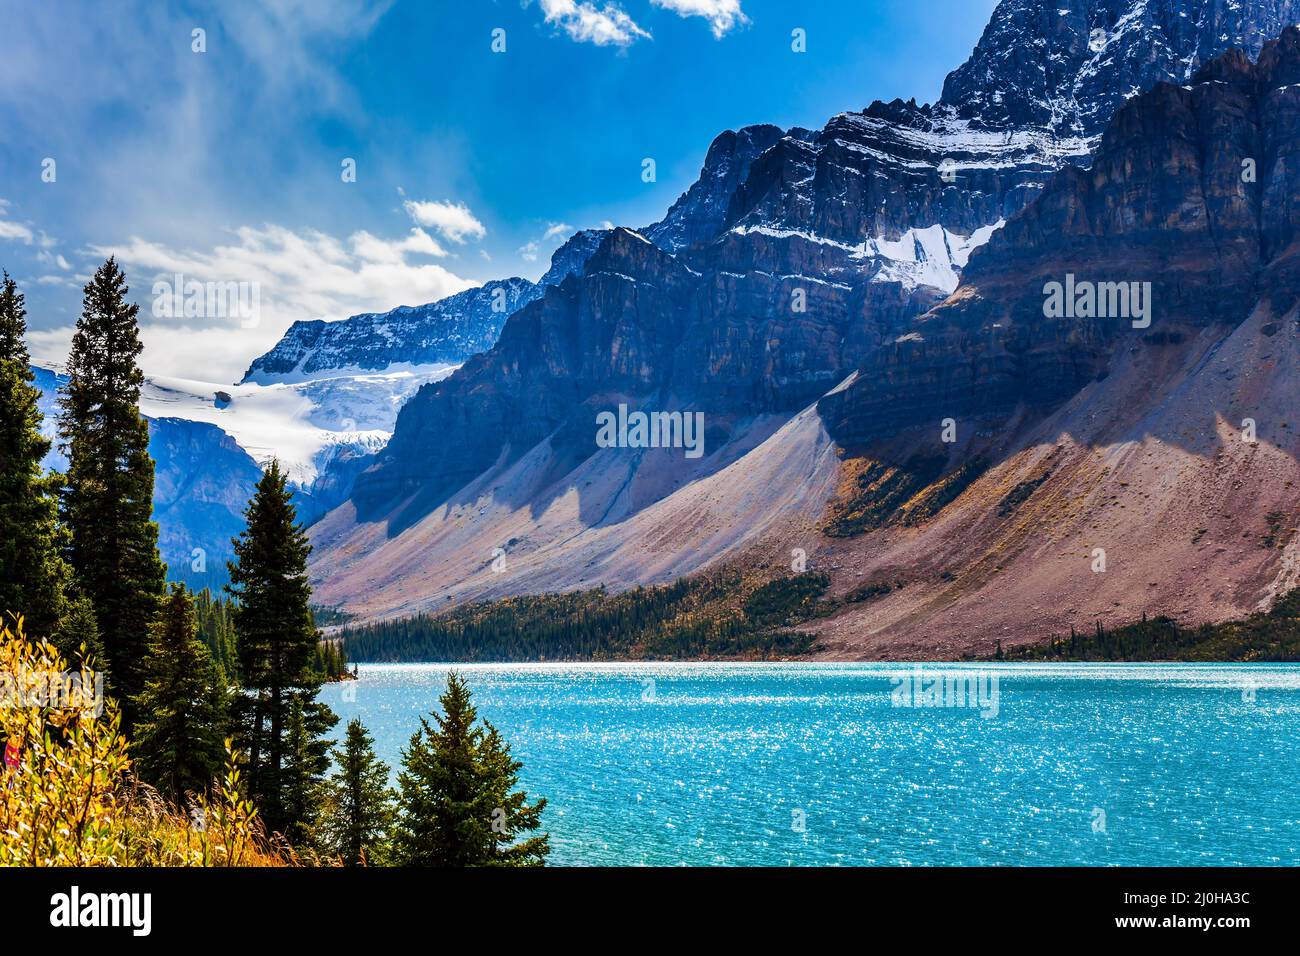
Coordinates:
x,y
977,690
181,298
63,690
1098,300
651,430
74,909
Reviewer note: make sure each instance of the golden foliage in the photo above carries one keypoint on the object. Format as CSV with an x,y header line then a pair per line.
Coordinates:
x,y
67,796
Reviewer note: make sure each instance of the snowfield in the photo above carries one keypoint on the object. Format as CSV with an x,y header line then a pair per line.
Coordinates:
x,y
302,423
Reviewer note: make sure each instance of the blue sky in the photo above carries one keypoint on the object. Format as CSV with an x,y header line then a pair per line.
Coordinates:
x,y
471,165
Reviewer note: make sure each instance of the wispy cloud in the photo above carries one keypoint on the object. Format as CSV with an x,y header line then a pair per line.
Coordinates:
x,y
607,25
723,15
13,230
453,220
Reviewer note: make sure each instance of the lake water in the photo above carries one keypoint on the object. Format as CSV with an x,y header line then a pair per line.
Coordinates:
x,y
869,764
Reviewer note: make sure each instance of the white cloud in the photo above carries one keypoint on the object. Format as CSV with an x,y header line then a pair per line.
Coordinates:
x,y
583,22
373,249
453,220
296,275
13,230
531,250
722,15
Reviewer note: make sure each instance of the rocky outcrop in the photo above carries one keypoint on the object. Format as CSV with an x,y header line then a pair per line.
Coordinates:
x,y
1188,204
701,212
571,258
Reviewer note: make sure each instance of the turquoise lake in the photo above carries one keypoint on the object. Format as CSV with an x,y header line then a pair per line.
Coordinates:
x,y
884,764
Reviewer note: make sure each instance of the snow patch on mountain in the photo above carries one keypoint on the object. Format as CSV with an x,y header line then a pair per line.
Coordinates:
x,y
933,256
944,133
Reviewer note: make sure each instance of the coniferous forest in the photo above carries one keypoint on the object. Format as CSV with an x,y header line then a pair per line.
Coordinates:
x,y
191,732
713,616
1269,636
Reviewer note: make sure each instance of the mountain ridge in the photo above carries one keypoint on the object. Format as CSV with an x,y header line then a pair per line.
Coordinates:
x,y
508,439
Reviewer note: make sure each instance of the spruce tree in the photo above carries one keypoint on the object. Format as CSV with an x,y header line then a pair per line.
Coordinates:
x,y
179,740
33,574
276,644
357,803
458,805
306,763
108,496
217,633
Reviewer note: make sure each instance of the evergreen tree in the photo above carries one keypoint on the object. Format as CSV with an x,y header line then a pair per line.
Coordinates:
x,y
217,632
77,637
458,804
357,803
108,496
33,574
276,645
306,762
179,740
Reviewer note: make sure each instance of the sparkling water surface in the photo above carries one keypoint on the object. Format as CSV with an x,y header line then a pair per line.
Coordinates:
x,y
852,764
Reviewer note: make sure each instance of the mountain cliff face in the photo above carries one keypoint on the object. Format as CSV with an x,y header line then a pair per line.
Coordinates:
x,y
897,194
1098,471
833,253
826,245
1068,65
701,212
1192,194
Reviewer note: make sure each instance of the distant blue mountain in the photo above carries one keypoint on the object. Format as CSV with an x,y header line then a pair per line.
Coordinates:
x,y
202,482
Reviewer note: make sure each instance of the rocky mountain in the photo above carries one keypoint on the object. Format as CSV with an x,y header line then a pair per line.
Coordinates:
x,y
898,193
442,333
203,481
1068,65
1189,201
326,397
1099,471
701,212
1103,466
571,258
445,332
823,276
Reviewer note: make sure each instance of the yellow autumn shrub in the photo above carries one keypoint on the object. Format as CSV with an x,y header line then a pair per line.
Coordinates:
x,y
67,795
